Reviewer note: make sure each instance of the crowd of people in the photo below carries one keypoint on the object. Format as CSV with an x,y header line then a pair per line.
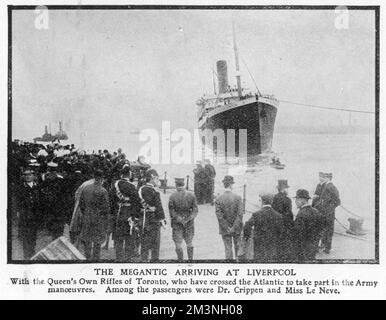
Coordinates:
x,y
46,183
276,235
102,194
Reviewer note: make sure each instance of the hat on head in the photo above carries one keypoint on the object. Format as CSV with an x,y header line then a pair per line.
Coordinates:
x,y
328,175
28,171
325,175
228,180
180,182
52,164
266,197
125,169
302,194
282,184
98,173
150,174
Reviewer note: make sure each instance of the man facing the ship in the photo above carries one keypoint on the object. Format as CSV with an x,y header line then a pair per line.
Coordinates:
x,y
307,228
283,205
326,200
267,231
229,212
29,212
153,217
95,207
183,210
199,182
210,176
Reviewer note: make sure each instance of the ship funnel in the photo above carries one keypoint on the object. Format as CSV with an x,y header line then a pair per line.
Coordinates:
x,y
60,126
45,130
222,75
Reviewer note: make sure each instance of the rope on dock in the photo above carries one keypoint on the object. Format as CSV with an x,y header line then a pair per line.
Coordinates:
x,y
350,212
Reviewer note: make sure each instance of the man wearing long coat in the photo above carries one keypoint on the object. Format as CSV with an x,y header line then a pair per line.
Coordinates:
x,y
283,205
30,213
308,226
268,229
95,207
326,200
52,190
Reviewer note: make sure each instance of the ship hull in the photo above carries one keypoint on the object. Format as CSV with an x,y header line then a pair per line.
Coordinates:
x,y
257,117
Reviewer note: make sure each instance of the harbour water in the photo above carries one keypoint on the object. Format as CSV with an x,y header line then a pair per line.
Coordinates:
x,y
350,157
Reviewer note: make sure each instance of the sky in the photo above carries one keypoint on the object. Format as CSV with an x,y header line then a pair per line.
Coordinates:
x,y
109,73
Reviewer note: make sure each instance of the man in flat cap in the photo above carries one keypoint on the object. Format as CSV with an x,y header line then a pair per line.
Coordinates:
x,y
308,227
268,230
283,204
326,199
153,217
229,212
183,210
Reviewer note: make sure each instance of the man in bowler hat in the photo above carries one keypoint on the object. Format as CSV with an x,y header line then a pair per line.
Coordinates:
x,y
308,227
229,212
267,227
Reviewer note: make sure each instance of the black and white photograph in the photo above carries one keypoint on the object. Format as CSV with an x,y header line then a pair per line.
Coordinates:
x,y
193,134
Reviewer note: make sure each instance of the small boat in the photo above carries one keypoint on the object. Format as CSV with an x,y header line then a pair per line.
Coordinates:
x,y
278,166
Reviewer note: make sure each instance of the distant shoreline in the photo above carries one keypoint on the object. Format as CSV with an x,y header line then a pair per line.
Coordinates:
x,y
324,130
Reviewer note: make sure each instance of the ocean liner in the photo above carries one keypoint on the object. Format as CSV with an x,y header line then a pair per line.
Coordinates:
x,y
238,108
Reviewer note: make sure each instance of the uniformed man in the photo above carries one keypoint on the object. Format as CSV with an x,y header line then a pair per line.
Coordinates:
x,y
29,212
229,212
126,206
268,230
326,199
183,210
283,205
307,227
153,217
52,190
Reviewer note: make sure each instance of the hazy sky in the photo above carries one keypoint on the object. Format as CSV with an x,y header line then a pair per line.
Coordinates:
x,y
106,73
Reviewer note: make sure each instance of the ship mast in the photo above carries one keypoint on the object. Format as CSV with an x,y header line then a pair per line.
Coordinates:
x,y
237,61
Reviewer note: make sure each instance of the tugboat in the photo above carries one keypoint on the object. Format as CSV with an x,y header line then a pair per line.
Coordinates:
x,y
48,137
